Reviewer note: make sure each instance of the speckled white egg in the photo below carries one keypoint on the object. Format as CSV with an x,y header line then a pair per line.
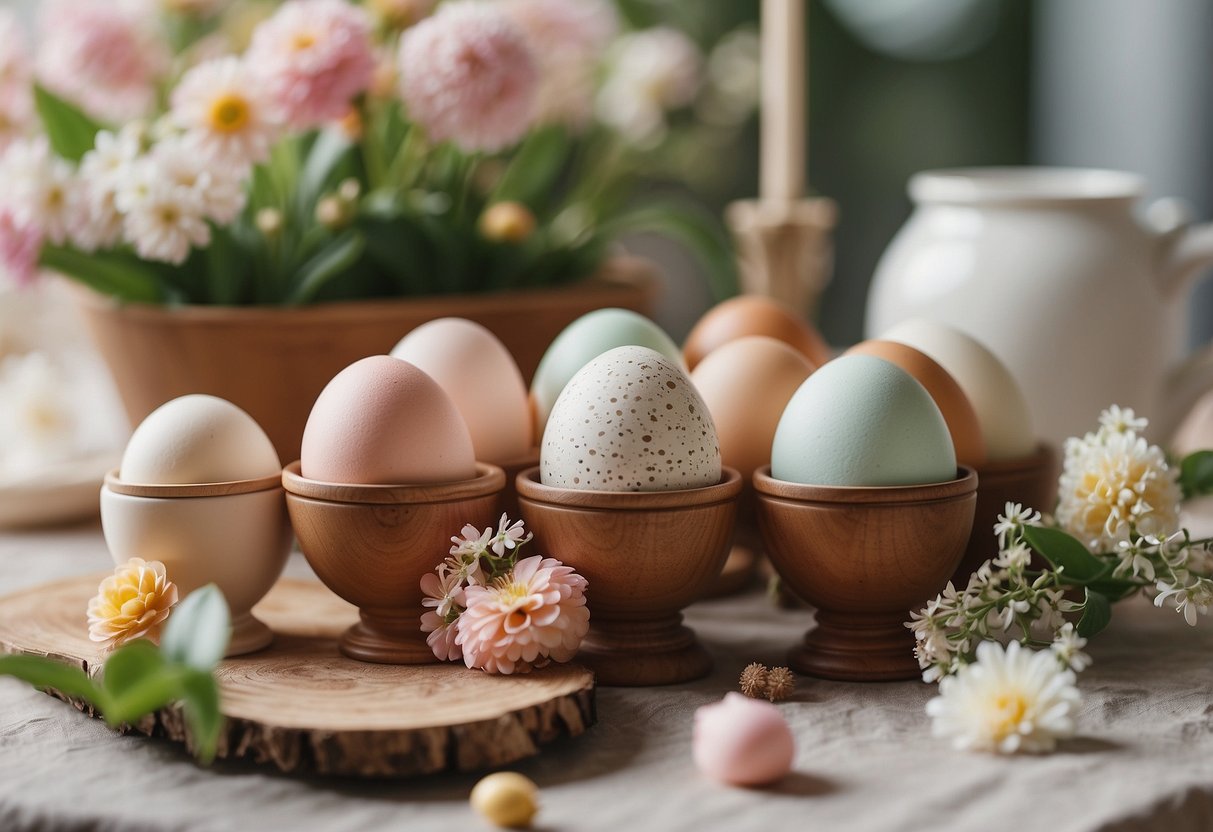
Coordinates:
x,y
198,439
630,420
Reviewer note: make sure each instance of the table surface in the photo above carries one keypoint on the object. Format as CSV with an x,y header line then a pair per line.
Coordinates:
x,y
865,758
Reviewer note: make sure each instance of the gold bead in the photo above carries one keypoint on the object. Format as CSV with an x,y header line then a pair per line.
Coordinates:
x,y
506,799
507,222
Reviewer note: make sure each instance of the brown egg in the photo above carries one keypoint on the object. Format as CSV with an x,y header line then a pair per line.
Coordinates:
x,y
953,403
754,315
746,384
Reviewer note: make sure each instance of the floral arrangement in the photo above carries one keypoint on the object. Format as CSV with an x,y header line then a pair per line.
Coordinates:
x,y
498,613
1115,534
236,153
140,677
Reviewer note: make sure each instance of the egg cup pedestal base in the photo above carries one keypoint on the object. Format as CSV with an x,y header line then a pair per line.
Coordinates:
x,y
249,635
864,557
384,637
646,556
857,649
642,653
1030,481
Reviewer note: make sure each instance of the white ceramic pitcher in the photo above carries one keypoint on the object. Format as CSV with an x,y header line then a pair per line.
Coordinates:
x,y
1051,269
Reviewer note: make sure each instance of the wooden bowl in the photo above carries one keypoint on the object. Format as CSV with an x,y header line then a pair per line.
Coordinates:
x,y
371,544
864,557
1031,481
646,555
741,566
233,534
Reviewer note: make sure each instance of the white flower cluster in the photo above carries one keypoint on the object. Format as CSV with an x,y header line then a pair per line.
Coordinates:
x,y
38,424
1115,484
1001,595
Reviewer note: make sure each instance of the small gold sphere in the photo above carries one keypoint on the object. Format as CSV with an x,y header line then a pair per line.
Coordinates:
x,y
506,799
507,222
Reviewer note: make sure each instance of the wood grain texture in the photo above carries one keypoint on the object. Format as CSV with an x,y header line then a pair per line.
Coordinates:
x,y
864,557
1031,482
373,552
274,361
206,489
646,557
302,708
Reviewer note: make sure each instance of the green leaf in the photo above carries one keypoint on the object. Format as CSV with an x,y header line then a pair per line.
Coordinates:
x,y
115,274
129,665
692,226
1096,614
71,132
330,262
1196,474
533,170
323,159
1115,589
146,695
1065,552
48,673
200,699
198,630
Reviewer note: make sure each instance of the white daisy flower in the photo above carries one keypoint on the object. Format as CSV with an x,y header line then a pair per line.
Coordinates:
x,y
1010,700
37,420
41,188
224,113
1067,647
1014,516
219,190
165,223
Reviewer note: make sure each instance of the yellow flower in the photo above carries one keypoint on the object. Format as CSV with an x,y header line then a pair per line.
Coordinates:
x,y
131,603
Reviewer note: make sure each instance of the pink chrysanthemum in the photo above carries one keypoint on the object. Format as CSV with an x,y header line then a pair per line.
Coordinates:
x,y
102,56
315,57
20,244
522,620
468,75
569,39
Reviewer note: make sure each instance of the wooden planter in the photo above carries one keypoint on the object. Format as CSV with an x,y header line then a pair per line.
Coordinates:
x,y
274,361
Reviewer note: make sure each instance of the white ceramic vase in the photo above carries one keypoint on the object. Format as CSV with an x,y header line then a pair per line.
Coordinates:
x,y
1051,269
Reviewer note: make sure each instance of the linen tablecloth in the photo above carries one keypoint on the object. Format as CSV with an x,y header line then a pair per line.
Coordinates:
x,y
865,758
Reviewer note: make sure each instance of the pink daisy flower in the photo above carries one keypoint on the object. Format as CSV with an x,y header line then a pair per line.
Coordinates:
x,y
315,57
467,75
20,245
225,115
522,620
102,56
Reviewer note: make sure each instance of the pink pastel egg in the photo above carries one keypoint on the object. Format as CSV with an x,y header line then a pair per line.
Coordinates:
x,y
742,741
382,421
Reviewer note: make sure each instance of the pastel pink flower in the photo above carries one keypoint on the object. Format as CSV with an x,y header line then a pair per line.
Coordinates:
x,y
443,594
16,73
523,620
314,57
468,75
569,39
20,245
101,55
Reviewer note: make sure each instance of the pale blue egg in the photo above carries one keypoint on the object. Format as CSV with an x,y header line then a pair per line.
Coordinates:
x,y
862,421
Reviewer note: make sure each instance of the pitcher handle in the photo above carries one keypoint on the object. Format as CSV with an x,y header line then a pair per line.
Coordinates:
x,y
1185,248
1183,387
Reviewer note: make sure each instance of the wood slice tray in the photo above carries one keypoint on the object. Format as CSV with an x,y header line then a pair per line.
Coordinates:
x,y
301,707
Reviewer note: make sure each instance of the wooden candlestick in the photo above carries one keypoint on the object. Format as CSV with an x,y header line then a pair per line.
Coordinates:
x,y
1031,482
371,544
646,556
784,249
864,557
783,100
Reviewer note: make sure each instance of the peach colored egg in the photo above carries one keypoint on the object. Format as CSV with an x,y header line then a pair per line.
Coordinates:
x,y
955,406
742,741
746,385
754,315
382,421
479,374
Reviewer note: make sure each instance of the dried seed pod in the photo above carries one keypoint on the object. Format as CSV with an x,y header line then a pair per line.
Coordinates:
x,y
753,680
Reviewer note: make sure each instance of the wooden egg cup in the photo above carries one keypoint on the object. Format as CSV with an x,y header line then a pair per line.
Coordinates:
x,y
371,544
1030,481
646,556
864,557
509,495
233,534
741,566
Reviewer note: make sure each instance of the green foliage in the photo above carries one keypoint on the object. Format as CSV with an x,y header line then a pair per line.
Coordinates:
x,y
1096,614
69,130
1066,553
1196,474
140,678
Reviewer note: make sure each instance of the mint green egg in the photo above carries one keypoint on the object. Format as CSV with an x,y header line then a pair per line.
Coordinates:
x,y
584,340
861,421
